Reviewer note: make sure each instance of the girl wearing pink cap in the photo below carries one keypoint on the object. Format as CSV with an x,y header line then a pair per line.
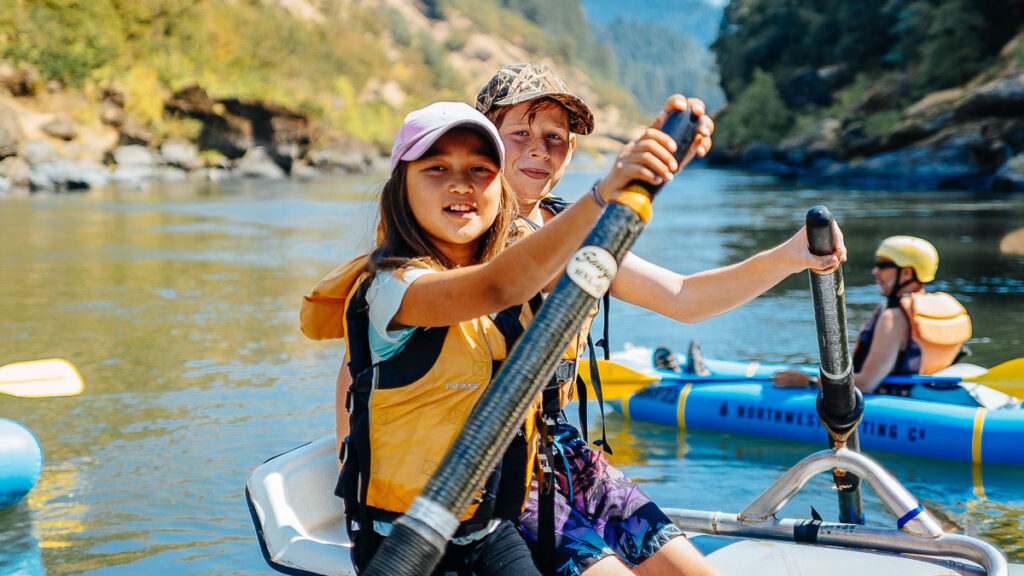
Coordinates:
x,y
429,315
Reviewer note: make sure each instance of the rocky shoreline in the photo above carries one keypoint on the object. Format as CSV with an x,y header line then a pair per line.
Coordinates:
x,y
967,138
239,138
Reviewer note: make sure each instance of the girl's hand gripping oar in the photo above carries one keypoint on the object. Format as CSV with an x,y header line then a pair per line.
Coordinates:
x,y
840,404
419,537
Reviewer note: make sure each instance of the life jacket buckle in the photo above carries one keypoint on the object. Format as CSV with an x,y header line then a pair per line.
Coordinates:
x,y
343,451
565,371
547,481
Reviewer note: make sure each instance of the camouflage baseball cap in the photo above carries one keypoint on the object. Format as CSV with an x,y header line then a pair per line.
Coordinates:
x,y
516,83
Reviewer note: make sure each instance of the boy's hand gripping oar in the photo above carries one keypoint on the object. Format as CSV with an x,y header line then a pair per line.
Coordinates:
x,y
418,538
840,404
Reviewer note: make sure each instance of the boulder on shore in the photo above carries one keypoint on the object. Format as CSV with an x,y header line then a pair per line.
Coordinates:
x,y
10,132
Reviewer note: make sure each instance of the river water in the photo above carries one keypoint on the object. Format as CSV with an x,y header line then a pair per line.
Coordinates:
x,y
178,303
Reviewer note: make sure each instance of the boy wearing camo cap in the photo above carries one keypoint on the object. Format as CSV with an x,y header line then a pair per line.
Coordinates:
x,y
598,521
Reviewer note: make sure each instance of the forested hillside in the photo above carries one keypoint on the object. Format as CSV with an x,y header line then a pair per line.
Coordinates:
x,y
656,60
909,47
895,93
661,48
356,67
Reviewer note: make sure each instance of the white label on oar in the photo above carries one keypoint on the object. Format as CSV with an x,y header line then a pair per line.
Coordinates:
x,y
592,269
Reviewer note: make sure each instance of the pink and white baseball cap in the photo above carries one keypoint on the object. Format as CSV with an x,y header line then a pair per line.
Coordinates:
x,y
425,126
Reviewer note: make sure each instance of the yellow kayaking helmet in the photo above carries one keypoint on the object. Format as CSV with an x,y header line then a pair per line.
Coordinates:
x,y
911,252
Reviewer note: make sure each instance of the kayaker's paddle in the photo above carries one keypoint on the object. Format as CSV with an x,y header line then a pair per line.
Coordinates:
x,y
840,404
418,538
40,379
1007,377
617,381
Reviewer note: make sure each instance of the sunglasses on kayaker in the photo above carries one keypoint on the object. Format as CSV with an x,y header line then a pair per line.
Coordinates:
x,y
883,264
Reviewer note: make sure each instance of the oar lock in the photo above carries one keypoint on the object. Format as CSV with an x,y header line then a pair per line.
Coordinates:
x,y
839,428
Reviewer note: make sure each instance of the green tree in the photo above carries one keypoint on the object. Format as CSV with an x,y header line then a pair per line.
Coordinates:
x,y
758,114
68,40
760,34
952,49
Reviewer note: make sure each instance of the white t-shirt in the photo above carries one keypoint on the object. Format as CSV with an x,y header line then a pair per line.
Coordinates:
x,y
384,298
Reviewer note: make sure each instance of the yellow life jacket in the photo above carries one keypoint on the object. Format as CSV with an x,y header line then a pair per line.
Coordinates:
x,y
322,315
940,326
406,411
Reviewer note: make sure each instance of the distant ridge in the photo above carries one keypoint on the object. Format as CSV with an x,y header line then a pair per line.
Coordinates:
x,y
698,19
643,34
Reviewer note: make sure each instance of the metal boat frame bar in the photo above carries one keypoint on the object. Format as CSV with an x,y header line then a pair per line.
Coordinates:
x,y
917,532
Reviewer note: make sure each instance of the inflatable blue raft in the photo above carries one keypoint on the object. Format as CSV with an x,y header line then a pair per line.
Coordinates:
x,y
21,462
890,424
748,403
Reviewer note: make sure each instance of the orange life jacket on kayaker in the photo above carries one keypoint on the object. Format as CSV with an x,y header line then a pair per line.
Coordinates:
x,y
939,324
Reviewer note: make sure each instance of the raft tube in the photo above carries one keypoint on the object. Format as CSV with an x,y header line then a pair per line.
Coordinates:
x,y
21,462
300,525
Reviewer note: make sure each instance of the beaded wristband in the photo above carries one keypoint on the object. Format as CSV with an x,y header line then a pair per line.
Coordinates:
x,y
595,195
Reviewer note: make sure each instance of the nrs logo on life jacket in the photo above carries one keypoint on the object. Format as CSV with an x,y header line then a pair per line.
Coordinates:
x,y
464,386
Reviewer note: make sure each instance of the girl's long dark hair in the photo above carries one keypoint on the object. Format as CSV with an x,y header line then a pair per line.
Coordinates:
x,y
401,239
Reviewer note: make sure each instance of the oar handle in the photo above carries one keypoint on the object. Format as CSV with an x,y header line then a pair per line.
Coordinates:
x,y
829,297
820,237
840,405
681,127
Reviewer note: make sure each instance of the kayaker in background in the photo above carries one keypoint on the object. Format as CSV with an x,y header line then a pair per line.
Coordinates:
x,y
440,300
912,332
604,523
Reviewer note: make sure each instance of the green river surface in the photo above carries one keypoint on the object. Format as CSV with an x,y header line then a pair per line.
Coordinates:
x,y
179,305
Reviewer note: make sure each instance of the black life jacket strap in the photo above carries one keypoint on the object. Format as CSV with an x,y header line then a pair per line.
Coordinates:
x,y
604,342
581,403
546,499
595,380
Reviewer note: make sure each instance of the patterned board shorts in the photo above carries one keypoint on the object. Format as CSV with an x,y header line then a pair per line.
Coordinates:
x,y
598,510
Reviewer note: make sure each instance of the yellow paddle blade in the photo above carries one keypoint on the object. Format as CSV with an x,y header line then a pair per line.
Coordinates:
x,y
40,379
617,381
1007,377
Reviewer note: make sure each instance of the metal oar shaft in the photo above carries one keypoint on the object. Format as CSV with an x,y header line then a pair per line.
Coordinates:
x,y
418,538
840,404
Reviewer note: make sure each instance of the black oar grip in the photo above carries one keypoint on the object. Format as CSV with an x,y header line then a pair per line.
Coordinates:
x,y
681,127
820,239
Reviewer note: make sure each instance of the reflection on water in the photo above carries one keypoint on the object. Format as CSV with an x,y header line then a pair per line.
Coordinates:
x,y
179,306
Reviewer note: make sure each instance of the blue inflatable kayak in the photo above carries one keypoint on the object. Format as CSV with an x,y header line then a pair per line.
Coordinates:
x,y
21,462
748,403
